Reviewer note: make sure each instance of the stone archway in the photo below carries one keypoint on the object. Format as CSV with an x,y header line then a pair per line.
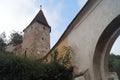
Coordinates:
x,y
103,47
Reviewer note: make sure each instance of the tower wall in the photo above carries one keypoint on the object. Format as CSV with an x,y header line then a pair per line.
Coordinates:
x,y
36,42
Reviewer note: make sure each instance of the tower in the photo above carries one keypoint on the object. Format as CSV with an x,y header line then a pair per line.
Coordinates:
x,y
36,41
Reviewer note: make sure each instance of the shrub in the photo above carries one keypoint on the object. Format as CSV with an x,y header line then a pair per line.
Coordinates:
x,y
19,68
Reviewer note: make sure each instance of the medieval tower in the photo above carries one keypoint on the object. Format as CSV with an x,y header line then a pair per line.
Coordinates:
x,y
36,41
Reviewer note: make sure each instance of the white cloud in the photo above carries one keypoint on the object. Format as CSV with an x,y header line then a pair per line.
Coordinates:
x,y
115,48
15,14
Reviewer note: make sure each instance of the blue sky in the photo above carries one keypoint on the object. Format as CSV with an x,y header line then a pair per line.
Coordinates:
x,y
15,15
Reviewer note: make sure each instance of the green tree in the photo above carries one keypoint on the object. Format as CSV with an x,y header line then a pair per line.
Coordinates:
x,y
114,64
16,38
2,41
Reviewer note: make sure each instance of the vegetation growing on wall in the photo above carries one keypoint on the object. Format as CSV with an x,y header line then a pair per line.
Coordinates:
x,y
63,58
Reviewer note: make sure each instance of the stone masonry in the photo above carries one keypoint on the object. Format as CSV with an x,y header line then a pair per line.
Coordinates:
x,y
36,41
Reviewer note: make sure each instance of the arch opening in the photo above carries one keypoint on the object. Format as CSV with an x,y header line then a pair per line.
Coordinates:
x,y
103,47
114,60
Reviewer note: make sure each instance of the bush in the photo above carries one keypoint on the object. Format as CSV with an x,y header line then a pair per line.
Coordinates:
x,y
19,68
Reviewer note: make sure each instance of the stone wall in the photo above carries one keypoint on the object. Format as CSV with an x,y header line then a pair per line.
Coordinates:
x,y
60,47
36,41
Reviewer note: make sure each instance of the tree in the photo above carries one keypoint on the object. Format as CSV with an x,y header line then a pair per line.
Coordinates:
x,y
2,44
16,38
2,41
114,64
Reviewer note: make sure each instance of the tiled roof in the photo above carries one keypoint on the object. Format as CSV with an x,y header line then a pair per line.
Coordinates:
x,y
39,18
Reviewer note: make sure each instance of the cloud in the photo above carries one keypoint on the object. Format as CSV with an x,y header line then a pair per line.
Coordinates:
x,y
115,48
15,14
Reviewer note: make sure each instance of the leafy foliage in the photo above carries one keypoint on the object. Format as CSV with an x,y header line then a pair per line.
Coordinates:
x,y
19,68
16,38
2,42
67,58
64,60
114,63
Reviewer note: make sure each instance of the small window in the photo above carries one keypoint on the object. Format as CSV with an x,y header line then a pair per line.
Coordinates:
x,y
42,38
44,28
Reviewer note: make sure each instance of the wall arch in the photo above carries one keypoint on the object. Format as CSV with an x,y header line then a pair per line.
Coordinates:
x,y
103,47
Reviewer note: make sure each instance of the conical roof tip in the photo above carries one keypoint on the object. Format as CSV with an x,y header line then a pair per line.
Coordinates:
x,y
40,18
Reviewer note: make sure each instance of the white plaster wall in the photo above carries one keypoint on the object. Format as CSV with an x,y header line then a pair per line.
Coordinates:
x,y
84,37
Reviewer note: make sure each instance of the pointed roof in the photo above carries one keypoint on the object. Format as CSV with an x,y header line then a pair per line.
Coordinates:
x,y
39,18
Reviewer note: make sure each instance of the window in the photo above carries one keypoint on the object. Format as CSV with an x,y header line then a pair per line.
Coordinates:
x,y
42,38
44,28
